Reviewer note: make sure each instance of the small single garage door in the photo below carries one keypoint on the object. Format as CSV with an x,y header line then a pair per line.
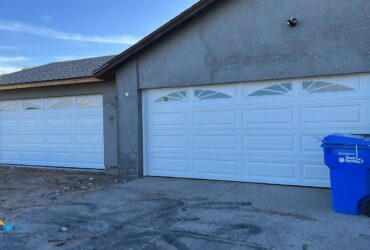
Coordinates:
x,y
266,132
60,132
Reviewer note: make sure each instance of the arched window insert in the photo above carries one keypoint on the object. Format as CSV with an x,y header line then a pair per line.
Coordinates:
x,y
277,89
61,104
173,97
322,87
9,107
87,102
204,94
32,105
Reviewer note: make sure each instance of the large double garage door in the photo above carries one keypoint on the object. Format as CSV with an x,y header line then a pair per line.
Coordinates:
x,y
266,132
60,132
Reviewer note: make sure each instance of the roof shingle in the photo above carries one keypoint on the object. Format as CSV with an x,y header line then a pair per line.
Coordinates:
x,y
56,71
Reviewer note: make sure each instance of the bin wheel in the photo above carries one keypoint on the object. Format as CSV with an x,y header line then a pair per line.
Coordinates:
x,y
366,207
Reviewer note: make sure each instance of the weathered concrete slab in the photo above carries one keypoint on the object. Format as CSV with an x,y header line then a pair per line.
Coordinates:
x,y
163,213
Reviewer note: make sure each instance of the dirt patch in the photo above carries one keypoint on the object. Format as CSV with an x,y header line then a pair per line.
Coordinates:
x,y
284,214
22,189
249,229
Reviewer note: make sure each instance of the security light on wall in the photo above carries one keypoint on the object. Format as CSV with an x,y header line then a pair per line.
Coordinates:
x,y
292,22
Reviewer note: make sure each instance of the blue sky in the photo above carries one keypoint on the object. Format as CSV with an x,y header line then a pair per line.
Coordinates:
x,y
42,31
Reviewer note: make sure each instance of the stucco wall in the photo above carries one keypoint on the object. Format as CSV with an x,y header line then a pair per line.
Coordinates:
x,y
130,147
247,40
107,89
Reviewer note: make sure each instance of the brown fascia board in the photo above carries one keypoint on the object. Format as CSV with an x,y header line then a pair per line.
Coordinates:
x,y
49,83
106,69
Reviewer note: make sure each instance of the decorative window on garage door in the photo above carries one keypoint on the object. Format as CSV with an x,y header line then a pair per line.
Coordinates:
x,y
60,103
88,102
277,89
32,105
205,94
177,96
8,106
322,87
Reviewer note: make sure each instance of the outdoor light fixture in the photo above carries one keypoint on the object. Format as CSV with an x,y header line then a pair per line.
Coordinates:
x,y
292,22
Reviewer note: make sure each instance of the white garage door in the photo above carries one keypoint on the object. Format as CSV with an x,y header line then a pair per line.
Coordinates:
x,y
61,132
266,132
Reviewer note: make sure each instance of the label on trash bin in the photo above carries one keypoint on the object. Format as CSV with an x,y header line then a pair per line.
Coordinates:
x,y
349,158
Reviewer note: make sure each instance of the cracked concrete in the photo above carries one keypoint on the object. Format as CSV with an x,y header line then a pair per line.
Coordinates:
x,y
165,213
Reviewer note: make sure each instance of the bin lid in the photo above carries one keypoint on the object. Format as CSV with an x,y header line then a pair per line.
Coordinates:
x,y
347,139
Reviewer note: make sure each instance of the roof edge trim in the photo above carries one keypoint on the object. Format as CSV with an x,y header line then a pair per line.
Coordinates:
x,y
50,83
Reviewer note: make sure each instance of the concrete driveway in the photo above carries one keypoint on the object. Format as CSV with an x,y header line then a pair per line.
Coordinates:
x,y
163,213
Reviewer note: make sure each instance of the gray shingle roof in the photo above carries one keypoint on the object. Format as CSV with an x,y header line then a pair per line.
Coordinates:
x,y
56,71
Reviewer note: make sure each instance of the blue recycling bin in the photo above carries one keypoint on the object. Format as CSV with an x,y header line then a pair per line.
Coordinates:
x,y
348,157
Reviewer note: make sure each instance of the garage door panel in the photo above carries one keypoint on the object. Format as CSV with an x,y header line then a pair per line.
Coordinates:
x,y
268,116
92,111
268,143
62,163
268,132
6,139
32,121
62,156
63,132
90,139
216,168
92,157
315,172
9,131
169,141
270,170
59,148
60,113
59,121
9,121
170,118
30,130
33,139
86,131
215,117
10,154
312,144
88,120
33,156
59,139
332,114
89,149
33,148
216,142
168,165
59,131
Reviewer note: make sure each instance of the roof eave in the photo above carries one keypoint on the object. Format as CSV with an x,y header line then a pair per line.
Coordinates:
x,y
50,83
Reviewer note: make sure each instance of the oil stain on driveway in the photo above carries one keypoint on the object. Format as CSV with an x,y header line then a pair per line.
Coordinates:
x,y
164,213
